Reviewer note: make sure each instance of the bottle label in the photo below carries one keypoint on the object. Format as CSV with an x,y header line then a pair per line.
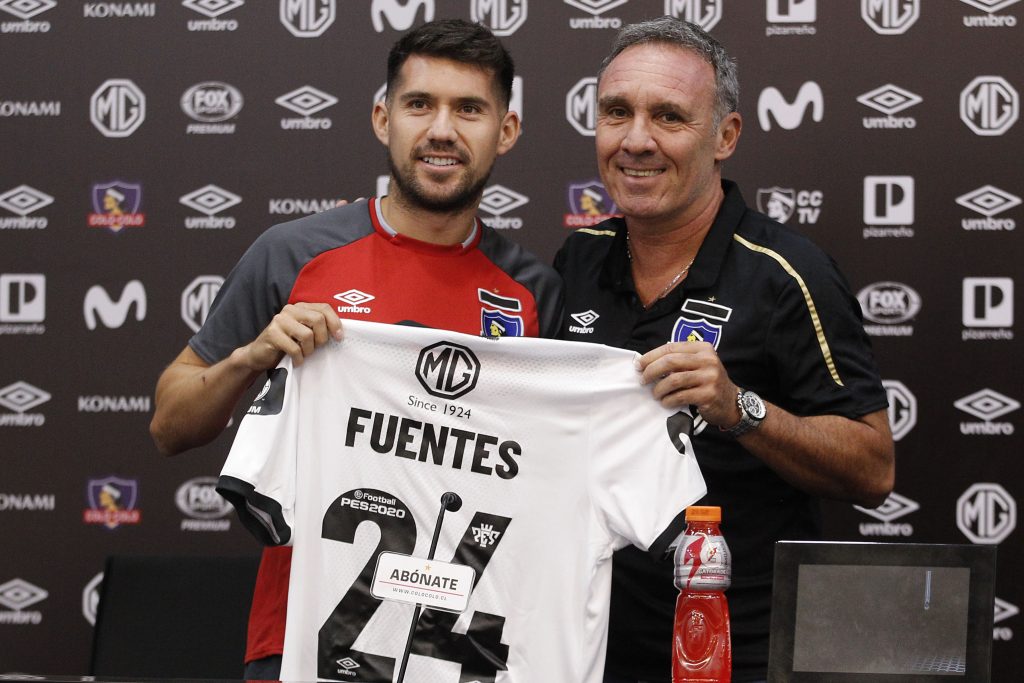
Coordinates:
x,y
703,563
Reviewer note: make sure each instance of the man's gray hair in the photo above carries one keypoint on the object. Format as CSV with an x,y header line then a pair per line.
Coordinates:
x,y
670,31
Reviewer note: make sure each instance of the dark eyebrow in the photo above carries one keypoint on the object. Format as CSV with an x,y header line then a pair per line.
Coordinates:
x,y
481,102
609,101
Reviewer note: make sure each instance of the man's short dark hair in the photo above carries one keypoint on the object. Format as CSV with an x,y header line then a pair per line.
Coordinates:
x,y
460,41
671,31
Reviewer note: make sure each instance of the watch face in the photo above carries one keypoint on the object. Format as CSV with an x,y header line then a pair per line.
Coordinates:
x,y
753,405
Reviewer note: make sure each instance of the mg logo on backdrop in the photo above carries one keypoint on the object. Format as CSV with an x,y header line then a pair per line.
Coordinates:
x,y
197,298
114,314
704,13
400,14
117,108
789,115
986,513
890,17
989,105
503,17
307,18
902,408
447,370
581,106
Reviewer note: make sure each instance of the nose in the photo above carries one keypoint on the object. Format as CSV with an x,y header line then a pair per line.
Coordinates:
x,y
638,139
442,127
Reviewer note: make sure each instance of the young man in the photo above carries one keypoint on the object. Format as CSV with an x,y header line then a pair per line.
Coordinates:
x,y
765,338
418,255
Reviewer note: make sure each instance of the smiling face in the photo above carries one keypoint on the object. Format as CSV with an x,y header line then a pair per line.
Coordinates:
x,y
444,126
658,150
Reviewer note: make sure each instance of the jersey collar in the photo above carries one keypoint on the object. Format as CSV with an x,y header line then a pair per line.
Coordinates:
x,y
384,229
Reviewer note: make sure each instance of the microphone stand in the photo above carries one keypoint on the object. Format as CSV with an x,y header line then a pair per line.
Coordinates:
x,y
449,501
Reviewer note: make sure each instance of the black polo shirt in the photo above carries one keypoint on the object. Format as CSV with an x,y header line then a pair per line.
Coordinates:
x,y
785,324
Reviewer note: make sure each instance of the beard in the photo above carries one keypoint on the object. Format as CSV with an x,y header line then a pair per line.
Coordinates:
x,y
411,192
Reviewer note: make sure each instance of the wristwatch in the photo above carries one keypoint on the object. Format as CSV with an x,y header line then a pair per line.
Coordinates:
x,y
752,411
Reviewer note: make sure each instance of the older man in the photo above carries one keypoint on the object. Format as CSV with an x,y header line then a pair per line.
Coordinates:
x,y
763,335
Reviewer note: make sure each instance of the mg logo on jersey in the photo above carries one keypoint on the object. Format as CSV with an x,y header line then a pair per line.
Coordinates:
x,y
704,13
989,105
22,298
986,513
987,302
197,299
789,115
581,106
117,108
889,200
894,507
902,408
354,298
792,11
503,17
307,18
890,17
400,14
447,370
113,314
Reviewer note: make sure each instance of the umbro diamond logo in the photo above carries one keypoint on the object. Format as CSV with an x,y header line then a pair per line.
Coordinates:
x,y
586,318
988,200
498,200
26,9
595,7
22,396
987,404
894,507
354,297
306,100
889,99
210,199
213,8
23,200
18,594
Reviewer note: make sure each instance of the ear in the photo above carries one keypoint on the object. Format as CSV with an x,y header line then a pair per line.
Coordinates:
x,y
728,135
509,132
380,119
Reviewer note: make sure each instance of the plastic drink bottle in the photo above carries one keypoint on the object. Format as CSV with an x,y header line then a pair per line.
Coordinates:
x,y
701,645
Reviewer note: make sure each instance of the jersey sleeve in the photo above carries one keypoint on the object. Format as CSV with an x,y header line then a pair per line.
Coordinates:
x,y
258,478
822,355
644,469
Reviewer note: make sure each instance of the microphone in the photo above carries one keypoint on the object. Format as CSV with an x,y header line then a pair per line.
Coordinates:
x,y
451,501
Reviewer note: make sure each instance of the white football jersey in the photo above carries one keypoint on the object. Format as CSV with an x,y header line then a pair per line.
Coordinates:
x,y
558,453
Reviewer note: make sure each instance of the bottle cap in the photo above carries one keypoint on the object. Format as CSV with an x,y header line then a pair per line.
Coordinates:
x,y
703,513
